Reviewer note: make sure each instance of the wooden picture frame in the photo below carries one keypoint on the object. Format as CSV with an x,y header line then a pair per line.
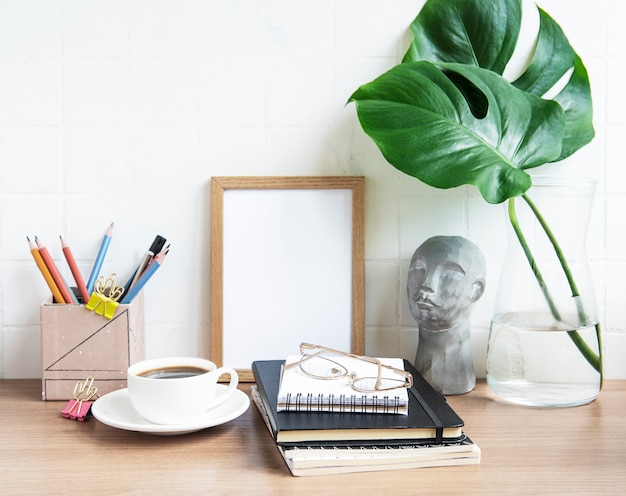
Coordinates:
x,y
303,234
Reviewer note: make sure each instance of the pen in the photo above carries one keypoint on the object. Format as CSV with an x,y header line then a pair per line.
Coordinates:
x,y
80,283
95,271
155,247
56,275
143,279
58,297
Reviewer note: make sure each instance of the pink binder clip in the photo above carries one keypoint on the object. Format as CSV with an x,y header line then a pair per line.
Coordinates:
x,y
78,408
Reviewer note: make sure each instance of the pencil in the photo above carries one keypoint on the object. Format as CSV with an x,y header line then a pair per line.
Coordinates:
x,y
58,297
80,283
56,275
95,271
145,277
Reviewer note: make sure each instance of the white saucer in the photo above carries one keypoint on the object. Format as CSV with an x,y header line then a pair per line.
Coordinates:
x,y
114,409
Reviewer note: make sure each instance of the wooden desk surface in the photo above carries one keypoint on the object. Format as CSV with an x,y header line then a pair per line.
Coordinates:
x,y
524,451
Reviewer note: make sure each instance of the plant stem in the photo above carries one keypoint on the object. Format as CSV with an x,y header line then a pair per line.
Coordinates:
x,y
594,360
531,260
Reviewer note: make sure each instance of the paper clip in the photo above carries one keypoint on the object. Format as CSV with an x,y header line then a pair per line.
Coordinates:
x,y
79,407
103,300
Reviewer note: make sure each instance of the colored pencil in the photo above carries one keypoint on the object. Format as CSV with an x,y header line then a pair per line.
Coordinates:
x,y
66,292
58,297
95,271
78,278
145,277
71,291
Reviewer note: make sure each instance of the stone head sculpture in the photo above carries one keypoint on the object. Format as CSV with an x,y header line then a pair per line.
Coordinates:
x,y
446,277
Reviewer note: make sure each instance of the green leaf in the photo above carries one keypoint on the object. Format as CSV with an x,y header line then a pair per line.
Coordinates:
x,y
450,124
575,99
553,59
481,33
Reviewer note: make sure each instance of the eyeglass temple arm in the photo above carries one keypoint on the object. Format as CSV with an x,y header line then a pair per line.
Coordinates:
x,y
404,373
309,346
307,357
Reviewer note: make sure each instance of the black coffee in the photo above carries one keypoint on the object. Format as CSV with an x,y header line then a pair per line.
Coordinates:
x,y
174,372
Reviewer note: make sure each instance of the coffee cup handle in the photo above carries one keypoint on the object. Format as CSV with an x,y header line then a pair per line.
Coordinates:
x,y
232,385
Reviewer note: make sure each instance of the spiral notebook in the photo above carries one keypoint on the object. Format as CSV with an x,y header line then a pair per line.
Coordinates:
x,y
299,392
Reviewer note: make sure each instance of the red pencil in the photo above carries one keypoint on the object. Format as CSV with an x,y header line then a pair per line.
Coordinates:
x,y
56,275
80,283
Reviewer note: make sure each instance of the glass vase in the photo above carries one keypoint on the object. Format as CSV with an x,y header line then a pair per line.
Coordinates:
x,y
544,340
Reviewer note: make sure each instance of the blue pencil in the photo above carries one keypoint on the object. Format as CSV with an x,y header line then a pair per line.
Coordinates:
x,y
143,279
97,265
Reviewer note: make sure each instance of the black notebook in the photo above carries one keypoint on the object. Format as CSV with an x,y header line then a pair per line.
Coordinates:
x,y
430,418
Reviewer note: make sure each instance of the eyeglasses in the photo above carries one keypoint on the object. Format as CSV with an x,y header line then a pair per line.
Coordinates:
x,y
320,362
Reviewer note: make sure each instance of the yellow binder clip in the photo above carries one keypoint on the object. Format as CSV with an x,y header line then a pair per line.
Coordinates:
x,y
105,296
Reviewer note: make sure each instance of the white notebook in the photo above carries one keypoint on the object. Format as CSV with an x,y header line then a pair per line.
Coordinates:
x,y
300,392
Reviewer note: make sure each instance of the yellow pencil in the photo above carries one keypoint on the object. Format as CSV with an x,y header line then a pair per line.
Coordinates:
x,y
46,273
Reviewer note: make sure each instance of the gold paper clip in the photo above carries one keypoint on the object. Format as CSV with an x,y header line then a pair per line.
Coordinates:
x,y
78,408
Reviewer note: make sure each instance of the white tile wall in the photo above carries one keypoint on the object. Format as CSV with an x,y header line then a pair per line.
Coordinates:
x,y
123,110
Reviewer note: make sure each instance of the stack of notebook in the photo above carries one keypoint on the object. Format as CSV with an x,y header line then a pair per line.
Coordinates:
x,y
314,438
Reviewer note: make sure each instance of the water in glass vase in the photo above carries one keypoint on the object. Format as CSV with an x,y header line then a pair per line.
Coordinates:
x,y
539,365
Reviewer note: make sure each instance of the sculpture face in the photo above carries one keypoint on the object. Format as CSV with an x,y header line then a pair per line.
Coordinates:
x,y
446,275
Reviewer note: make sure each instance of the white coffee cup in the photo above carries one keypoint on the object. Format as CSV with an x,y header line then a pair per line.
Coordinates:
x,y
177,390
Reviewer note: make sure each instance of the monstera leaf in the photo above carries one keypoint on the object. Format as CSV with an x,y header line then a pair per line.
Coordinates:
x,y
481,33
554,59
452,124
406,113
